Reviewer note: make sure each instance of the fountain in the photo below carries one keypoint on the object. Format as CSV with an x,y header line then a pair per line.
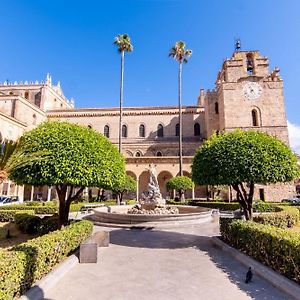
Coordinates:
x,y
152,202
151,211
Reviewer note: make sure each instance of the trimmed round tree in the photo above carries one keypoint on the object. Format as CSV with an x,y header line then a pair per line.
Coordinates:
x,y
76,157
180,184
241,159
127,185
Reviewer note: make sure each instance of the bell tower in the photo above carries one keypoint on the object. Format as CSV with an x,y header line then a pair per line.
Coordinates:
x,y
247,96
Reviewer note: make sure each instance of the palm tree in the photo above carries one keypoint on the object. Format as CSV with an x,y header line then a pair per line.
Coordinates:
x,y
13,157
180,54
6,150
124,44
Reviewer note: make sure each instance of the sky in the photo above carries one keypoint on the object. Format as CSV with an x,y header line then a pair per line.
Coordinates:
x,y
73,41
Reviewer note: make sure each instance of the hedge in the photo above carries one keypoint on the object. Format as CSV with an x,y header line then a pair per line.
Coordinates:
x,y
286,217
28,262
42,210
34,224
9,215
275,247
27,223
223,206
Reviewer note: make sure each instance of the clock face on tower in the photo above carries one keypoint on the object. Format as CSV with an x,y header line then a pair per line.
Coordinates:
x,y
252,90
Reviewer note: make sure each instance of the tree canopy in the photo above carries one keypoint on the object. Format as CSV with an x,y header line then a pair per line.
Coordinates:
x,y
239,157
123,42
180,53
77,157
127,185
179,183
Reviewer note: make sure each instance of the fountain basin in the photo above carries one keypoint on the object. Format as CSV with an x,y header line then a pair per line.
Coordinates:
x,y
117,216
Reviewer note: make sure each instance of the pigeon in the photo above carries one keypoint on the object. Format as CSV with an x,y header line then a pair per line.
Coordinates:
x,y
249,275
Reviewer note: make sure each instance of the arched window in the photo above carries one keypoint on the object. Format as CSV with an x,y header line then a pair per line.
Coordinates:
x,y
138,154
158,153
11,93
26,95
254,117
124,131
196,129
106,131
160,130
34,119
250,63
217,108
142,130
177,129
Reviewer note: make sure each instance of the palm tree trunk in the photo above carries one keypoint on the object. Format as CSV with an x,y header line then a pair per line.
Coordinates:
x,y
180,118
121,102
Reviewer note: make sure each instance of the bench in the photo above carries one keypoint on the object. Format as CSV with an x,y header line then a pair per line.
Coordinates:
x,y
88,249
89,207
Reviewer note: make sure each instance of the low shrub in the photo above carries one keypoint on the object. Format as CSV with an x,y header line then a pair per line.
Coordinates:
x,y
16,207
286,217
48,224
9,215
33,203
76,206
34,224
27,223
275,247
223,206
261,206
39,210
23,265
45,210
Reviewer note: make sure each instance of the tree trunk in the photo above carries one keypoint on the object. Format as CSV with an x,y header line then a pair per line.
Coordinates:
x,y
98,195
64,204
245,199
121,102
180,118
61,192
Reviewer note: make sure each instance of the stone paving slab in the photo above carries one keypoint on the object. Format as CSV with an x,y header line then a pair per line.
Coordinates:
x,y
173,264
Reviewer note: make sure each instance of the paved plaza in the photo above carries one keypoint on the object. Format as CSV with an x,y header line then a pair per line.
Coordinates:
x,y
180,263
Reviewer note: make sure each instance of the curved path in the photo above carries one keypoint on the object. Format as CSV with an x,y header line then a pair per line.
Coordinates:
x,y
179,263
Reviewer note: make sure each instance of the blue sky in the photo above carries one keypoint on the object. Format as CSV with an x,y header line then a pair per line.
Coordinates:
x,y
73,41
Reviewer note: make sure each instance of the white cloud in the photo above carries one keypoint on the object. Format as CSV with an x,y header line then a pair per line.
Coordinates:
x,y
294,136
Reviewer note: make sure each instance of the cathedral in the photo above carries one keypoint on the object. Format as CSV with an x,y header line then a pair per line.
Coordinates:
x,y
247,95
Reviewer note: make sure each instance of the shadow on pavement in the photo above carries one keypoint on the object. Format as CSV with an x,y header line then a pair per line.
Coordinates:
x,y
159,239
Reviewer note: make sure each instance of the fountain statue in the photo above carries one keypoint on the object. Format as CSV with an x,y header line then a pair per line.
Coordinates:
x,y
152,201
153,198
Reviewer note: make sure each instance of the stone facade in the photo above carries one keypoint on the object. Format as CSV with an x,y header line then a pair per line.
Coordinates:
x,y
247,95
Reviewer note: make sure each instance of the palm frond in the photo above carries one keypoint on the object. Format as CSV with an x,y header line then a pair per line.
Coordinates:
x,y
123,42
179,53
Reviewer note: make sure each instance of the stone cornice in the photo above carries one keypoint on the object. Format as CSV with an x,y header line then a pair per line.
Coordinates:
x,y
158,159
127,111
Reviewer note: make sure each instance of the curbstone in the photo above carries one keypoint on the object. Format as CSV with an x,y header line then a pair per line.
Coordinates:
x,y
37,292
279,281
